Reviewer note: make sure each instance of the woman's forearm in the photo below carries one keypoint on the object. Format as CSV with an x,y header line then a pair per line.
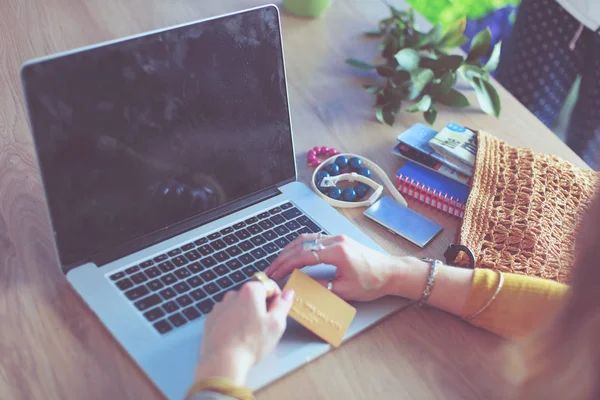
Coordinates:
x,y
450,292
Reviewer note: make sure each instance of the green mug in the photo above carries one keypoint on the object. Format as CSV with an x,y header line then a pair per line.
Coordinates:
x,y
306,8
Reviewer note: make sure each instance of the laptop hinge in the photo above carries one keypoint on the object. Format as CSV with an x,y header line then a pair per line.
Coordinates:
x,y
182,227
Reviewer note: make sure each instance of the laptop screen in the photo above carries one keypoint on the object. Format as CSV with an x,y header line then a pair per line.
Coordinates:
x,y
135,136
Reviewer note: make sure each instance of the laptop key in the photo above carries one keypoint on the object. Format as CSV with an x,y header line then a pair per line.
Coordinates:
x,y
258,253
192,255
191,313
177,319
246,245
181,287
234,264
281,230
168,279
221,256
205,306
198,294
277,219
237,276
174,252
239,225
132,270
148,302
187,246
218,244
147,263
303,230
194,268
166,266
269,235
124,284
218,297
170,306
238,286
266,224
286,206
201,241
263,215
291,213
163,326
281,242
208,275
155,285
182,273
154,314
291,236
231,239
214,236
226,231
249,271
242,234
152,272
293,225
160,258
184,300
211,288
270,248
302,220
233,251
261,264
251,220
195,281
275,210
205,250
139,278
167,293
258,240
208,262
225,282
271,258
117,276
313,227
137,293
221,270
246,258
254,229
179,261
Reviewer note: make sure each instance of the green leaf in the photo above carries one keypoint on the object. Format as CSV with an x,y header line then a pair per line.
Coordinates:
x,y
408,59
385,71
373,33
488,98
401,78
371,88
451,62
453,98
454,34
432,37
470,72
419,78
386,114
480,45
422,105
359,64
431,114
492,62
447,81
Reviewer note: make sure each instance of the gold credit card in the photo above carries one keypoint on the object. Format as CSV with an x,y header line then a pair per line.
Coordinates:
x,y
318,309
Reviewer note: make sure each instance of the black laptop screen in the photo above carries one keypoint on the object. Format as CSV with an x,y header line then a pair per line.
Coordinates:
x,y
136,136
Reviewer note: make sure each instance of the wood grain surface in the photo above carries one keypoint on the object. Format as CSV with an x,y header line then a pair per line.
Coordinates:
x,y
52,347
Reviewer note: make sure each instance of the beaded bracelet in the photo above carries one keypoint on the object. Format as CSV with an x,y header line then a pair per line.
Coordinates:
x,y
433,269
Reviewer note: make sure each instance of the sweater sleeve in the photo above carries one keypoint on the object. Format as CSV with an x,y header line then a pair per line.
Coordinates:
x,y
523,304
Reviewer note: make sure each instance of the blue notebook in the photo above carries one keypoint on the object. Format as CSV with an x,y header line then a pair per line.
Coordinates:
x,y
434,180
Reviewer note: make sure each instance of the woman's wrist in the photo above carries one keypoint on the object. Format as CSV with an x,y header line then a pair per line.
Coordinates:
x,y
407,277
234,365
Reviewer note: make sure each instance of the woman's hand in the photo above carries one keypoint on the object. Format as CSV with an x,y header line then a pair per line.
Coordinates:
x,y
362,273
241,330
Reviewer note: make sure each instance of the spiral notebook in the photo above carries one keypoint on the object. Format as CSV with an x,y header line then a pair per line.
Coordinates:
x,y
427,186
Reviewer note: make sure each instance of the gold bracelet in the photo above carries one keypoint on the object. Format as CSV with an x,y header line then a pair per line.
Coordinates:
x,y
482,309
433,269
223,386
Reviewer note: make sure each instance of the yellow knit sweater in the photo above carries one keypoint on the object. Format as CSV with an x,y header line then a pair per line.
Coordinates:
x,y
523,304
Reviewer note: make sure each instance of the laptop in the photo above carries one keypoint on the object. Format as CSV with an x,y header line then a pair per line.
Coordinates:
x,y
169,171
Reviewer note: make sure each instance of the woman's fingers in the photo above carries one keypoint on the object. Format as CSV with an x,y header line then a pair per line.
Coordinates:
x,y
280,308
296,246
301,258
255,294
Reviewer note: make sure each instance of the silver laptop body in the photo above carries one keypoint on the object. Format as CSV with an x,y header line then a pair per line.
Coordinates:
x,y
161,154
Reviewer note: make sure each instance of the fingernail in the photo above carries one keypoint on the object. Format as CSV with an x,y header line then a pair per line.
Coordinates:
x,y
288,295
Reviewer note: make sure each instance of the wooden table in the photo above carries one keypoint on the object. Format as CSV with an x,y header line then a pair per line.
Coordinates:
x,y
51,346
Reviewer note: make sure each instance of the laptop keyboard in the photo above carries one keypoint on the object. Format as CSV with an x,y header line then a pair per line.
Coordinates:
x,y
184,283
